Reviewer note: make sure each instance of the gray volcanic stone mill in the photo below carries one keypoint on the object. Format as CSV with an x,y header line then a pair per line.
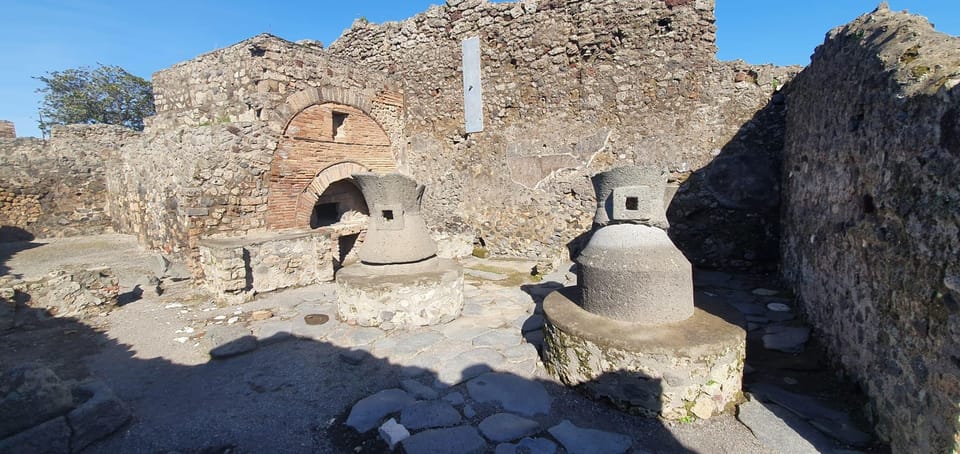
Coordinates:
x,y
630,333
399,282
396,233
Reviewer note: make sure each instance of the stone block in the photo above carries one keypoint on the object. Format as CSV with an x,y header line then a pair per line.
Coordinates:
x,y
402,296
655,371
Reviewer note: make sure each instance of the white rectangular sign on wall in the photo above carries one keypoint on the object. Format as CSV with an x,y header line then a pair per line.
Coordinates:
x,y
472,93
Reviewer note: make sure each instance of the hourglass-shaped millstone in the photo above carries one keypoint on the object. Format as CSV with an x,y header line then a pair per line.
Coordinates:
x,y
630,270
630,194
396,233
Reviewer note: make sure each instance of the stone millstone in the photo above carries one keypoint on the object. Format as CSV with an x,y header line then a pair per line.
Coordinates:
x,y
400,296
649,370
645,184
634,273
397,233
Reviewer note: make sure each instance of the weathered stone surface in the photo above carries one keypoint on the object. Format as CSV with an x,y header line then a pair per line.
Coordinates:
x,y
657,371
571,98
502,427
51,437
411,295
369,411
455,440
644,185
779,429
264,262
70,291
789,339
429,414
419,390
397,233
58,187
514,394
528,446
393,433
577,440
835,423
634,273
870,229
30,395
100,415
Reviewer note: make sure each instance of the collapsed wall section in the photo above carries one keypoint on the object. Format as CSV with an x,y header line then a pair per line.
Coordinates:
x,y
871,217
570,88
57,187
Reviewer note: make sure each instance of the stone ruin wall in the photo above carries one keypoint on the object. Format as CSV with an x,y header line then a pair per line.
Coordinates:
x,y
202,166
58,187
7,130
871,221
570,88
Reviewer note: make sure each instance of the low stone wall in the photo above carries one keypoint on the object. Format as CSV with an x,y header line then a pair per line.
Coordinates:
x,y
871,220
76,291
265,262
57,187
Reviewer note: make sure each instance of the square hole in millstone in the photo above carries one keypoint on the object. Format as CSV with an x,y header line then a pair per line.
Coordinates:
x,y
632,203
387,214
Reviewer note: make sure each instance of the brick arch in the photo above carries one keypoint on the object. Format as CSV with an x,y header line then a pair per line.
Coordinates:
x,y
297,102
311,194
321,136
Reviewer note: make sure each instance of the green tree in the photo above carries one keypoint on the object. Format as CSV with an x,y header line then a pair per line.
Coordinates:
x,y
105,94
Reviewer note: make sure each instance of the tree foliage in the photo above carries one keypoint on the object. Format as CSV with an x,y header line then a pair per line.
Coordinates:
x,y
105,94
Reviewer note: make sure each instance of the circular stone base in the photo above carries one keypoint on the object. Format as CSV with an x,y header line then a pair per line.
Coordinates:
x,y
400,296
687,369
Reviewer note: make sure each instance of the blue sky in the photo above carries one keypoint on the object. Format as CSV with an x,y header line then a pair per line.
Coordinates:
x,y
144,37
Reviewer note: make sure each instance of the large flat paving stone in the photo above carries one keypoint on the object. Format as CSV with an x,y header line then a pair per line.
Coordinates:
x,y
507,427
454,440
369,411
528,446
781,430
577,440
514,394
429,414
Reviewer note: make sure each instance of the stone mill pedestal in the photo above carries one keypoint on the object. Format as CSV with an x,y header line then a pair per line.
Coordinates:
x,y
399,282
630,333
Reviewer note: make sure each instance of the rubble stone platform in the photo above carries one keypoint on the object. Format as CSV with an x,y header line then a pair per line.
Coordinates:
x,y
400,296
687,369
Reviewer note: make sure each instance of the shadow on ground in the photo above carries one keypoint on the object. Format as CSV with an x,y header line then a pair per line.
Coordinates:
x,y
289,395
12,241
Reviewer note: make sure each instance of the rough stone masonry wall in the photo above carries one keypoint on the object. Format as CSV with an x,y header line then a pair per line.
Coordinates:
x,y
57,187
7,130
201,167
570,88
254,79
174,186
871,219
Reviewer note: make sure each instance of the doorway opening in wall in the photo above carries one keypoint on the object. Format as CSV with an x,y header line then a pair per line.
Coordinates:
x,y
337,202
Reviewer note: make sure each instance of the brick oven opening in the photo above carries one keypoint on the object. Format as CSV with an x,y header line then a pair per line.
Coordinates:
x,y
340,198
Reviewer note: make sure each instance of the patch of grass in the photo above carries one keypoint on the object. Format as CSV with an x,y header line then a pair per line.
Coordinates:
x,y
480,252
910,55
919,72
